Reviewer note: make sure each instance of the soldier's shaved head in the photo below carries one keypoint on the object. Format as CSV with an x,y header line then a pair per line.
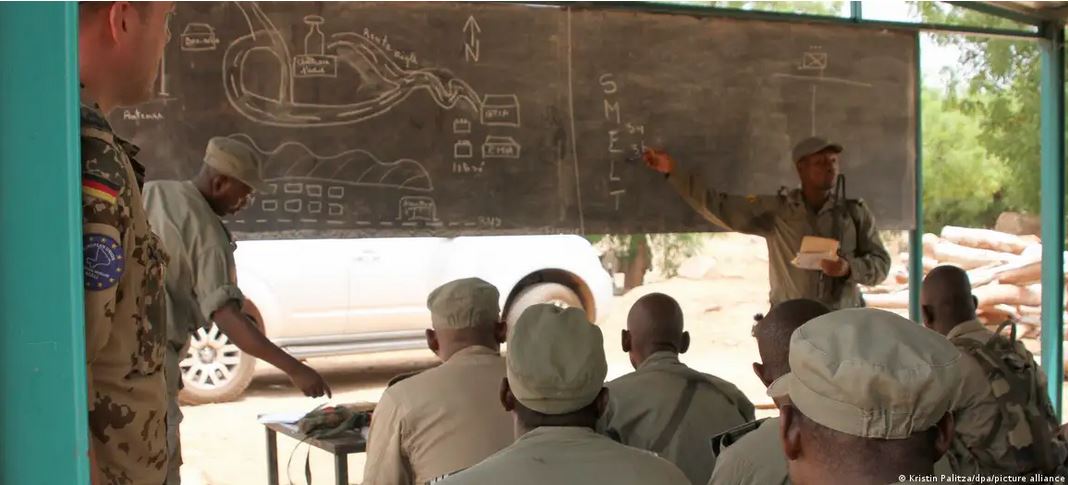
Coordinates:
x,y
654,324
946,299
773,335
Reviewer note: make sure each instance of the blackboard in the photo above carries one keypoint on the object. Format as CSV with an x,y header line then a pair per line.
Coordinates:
x,y
407,119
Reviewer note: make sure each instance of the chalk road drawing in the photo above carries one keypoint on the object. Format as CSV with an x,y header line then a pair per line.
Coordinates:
x,y
383,83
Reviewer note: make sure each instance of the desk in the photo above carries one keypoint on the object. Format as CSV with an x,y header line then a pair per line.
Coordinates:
x,y
340,446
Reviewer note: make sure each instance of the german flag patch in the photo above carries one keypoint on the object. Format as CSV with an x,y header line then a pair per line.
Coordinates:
x,y
100,188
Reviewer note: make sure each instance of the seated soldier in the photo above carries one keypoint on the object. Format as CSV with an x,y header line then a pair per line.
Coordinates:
x,y
1013,433
446,418
756,456
867,400
664,406
555,390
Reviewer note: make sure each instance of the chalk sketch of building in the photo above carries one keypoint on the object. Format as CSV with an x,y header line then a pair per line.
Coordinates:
x,y
417,208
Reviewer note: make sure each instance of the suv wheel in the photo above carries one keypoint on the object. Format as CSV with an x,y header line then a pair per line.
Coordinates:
x,y
554,293
214,369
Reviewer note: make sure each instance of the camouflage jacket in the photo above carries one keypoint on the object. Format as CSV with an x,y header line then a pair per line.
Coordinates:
x,y
123,273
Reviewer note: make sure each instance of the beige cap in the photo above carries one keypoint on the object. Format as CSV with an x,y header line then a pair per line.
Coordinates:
x,y
235,159
464,303
870,373
555,359
815,144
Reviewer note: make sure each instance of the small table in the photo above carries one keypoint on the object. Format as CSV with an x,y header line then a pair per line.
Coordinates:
x,y
340,446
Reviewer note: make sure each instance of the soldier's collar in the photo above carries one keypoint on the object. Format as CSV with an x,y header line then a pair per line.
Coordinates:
x,y
659,358
94,118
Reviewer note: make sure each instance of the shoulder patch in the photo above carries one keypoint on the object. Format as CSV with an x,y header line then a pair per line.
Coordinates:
x,y
100,188
104,261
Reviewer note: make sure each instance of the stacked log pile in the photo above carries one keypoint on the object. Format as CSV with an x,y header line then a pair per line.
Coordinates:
x,y
1005,272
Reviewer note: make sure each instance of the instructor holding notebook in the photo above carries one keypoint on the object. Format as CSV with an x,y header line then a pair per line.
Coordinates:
x,y
817,209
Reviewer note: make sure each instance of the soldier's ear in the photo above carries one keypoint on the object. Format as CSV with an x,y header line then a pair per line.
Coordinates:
x,y
432,341
501,331
946,433
685,344
507,398
790,432
624,340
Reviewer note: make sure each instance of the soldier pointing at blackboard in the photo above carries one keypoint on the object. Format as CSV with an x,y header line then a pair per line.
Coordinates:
x,y
815,213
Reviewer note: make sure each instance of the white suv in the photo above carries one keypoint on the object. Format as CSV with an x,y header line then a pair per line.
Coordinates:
x,y
327,297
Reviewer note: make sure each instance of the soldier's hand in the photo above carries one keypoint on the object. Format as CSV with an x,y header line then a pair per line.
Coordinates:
x,y
835,268
310,382
658,160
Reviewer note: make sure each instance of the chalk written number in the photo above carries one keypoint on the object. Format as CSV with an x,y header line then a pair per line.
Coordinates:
x,y
489,221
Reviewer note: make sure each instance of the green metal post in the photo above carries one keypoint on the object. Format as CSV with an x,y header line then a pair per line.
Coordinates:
x,y
916,234
1052,111
43,425
856,11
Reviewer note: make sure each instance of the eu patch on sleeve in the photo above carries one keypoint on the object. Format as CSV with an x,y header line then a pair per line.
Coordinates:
x,y
104,261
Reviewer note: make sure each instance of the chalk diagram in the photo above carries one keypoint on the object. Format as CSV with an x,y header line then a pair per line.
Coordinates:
x,y
304,185
811,69
381,85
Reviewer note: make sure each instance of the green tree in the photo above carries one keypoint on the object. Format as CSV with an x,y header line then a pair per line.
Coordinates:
x,y
997,83
963,183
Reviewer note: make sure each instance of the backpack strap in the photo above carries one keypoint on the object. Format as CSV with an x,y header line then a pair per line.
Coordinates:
x,y
683,405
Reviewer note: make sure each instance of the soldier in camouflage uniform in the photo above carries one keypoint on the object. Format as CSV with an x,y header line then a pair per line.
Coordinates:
x,y
1005,424
120,46
785,219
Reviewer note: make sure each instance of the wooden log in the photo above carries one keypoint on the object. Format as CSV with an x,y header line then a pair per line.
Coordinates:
x,y
929,243
985,239
1024,273
888,301
967,257
994,315
994,294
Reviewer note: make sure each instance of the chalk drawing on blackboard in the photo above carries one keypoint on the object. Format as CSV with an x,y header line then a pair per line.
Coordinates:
x,y
463,149
500,147
381,83
314,62
199,37
471,41
814,62
500,110
461,126
416,208
294,165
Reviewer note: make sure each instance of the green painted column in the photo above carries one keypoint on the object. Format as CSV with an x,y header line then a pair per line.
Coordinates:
x,y
43,425
1052,111
916,234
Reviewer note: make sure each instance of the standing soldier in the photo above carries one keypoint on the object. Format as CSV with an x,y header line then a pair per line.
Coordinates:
x,y
784,219
119,49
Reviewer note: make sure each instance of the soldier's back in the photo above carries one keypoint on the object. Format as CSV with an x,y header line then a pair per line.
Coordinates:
x,y
570,456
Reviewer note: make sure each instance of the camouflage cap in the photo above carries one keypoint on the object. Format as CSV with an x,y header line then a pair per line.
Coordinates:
x,y
870,373
811,145
464,303
235,159
556,362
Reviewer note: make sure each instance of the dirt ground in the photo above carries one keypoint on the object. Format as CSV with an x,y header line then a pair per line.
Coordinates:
x,y
223,443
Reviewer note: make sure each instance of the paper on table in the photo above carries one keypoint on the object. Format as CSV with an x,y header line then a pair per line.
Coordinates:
x,y
814,250
286,417
290,417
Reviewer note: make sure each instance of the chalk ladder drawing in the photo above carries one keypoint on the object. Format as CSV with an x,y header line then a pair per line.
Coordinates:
x,y
383,83
813,63
354,167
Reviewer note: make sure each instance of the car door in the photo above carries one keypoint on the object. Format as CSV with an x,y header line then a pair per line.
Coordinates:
x,y
389,279
300,286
